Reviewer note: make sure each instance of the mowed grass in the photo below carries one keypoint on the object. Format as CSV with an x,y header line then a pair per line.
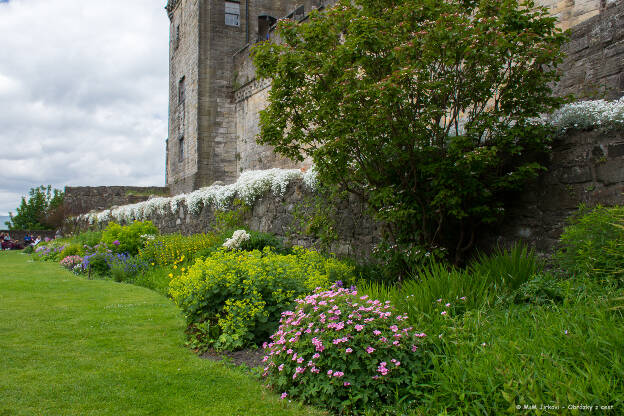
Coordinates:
x,y
70,346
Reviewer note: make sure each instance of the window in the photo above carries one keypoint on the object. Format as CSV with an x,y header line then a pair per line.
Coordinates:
x,y
232,13
181,149
181,92
177,37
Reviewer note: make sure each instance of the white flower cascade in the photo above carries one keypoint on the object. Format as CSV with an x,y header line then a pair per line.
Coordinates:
x,y
249,186
237,239
605,115
601,114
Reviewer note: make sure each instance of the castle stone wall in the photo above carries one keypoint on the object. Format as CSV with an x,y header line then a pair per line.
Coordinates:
x,y
182,172
586,167
82,199
594,67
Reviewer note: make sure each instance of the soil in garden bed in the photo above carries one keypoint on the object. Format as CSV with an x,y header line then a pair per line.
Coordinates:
x,y
250,357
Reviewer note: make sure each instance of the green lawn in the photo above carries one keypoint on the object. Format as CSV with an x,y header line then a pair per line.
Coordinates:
x,y
70,346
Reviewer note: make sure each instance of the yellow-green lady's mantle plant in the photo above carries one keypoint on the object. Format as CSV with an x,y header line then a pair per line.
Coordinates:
x,y
234,299
343,351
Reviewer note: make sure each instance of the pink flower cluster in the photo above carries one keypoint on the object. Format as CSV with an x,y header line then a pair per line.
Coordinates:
x,y
306,343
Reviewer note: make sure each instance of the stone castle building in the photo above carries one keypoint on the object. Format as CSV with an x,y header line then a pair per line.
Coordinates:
x,y
214,97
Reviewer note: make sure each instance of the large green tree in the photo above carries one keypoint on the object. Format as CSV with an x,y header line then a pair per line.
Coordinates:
x,y
39,211
422,107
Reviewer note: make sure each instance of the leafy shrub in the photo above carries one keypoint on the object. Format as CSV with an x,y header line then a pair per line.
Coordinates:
x,y
258,241
242,294
95,263
543,289
73,250
343,351
123,267
88,238
128,238
593,243
28,250
164,250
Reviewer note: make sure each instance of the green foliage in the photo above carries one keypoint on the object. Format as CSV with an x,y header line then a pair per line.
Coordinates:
x,y
315,217
128,238
593,244
154,278
482,283
124,268
73,250
243,293
228,220
96,264
543,289
345,352
513,355
258,241
28,250
508,268
36,212
88,238
50,251
165,250
423,108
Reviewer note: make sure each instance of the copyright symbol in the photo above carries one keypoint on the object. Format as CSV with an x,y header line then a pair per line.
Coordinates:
x,y
518,406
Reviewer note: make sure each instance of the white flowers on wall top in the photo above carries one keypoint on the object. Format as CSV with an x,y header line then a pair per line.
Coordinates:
x,y
249,186
601,114
605,115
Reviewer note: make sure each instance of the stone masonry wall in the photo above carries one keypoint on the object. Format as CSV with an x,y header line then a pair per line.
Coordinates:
x,y
594,67
586,167
182,170
82,199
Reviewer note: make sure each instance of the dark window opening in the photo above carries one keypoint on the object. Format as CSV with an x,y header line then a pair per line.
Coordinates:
x,y
181,148
181,91
265,22
177,37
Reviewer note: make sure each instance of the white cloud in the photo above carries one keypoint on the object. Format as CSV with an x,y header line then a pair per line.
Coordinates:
x,y
83,94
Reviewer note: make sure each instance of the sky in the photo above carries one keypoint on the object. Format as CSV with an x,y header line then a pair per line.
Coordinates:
x,y
83,94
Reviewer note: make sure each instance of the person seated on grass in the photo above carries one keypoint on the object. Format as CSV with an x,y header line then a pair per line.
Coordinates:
x,y
27,239
37,241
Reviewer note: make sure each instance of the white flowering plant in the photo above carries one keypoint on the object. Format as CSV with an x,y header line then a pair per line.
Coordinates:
x,y
236,240
249,186
584,115
344,351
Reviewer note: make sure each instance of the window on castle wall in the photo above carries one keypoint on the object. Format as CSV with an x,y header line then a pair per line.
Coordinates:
x,y
181,149
181,91
177,37
232,13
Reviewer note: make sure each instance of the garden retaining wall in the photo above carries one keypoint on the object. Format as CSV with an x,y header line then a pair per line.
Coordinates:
x,y
82,199
586,167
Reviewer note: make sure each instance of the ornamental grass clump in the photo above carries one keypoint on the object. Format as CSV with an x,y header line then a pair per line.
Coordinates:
x,y
344,351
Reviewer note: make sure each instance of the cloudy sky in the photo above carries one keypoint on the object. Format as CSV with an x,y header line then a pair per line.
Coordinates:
x,y
83,94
